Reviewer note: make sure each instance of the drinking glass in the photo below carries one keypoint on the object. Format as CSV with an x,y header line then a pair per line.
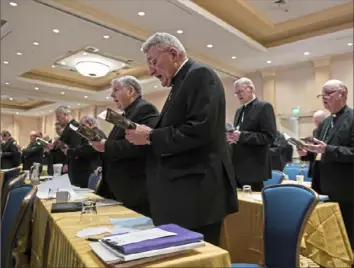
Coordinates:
x,y
247,190
88,212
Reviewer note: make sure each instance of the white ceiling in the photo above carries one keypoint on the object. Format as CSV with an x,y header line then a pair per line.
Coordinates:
x,y
292,9
32,22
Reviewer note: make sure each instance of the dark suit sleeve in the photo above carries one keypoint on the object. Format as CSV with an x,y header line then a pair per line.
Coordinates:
x,y
267,132
201,121
12,152
122,149
32,150
342,154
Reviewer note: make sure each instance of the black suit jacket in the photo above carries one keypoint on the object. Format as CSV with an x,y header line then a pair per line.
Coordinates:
x,y
250,155
124,163
334,174
11,156
32,154
278,152
189,175
82,158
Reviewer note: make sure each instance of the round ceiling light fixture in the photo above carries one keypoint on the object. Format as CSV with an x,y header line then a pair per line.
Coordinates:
x,y
92,68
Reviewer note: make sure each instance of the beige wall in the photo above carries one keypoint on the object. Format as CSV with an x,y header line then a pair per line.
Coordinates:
x,y
285,87
20,126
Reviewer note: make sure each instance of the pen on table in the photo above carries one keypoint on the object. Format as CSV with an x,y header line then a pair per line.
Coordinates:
x,y
92,239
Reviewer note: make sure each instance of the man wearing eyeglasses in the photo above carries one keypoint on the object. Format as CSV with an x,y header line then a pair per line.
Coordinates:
x,y
254,134
332,153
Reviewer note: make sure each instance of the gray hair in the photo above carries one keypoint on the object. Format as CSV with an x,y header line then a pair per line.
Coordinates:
x,y
246,82
319,114
164,40
63,110
333,83
89,120
129,81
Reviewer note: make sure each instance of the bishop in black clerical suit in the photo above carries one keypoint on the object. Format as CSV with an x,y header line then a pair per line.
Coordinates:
x,y
124,164
332,157
255,133
190,178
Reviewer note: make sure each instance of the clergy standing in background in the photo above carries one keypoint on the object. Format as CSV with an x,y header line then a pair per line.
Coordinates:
x,y
332,155
189,176
124,164
33,153
254,134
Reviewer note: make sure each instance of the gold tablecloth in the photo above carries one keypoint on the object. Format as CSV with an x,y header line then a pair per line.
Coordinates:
x,y
324,241
54,242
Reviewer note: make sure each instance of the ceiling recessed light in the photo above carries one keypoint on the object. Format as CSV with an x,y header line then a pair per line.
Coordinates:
x,y
11,99
36,88
306,53
350,44
7,83
62,93
210,46
269,61
36,43
5,62
180,32
19,53
17,113
106,36
56,31
233,57
13,4
141,14
85,97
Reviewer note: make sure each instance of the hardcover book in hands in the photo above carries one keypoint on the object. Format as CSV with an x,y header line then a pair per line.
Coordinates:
x,y
42,142
87,133
117,119
298,143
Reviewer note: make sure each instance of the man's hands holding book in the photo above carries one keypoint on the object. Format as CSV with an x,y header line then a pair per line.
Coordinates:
x,y
138,136
316,146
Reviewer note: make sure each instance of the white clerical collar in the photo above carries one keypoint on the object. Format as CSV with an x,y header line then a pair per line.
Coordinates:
x,y
254,97
180,67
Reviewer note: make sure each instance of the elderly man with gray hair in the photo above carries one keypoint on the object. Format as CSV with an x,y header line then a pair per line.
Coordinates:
x,y
124,172
189,175
332,153
253,135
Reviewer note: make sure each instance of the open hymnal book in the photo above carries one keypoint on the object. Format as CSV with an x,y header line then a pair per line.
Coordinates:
x,y
87,133
42,142
117,119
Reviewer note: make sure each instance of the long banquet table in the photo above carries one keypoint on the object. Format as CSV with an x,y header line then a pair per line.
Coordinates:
x,y
54,241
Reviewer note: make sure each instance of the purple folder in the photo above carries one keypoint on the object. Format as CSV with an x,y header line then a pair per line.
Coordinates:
x,y
182,237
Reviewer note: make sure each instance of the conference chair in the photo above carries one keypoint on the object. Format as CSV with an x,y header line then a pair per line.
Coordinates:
x,y
277,178
286,210
19,202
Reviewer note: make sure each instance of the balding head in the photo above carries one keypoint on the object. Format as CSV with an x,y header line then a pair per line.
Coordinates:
x,y
318,117
334,95
33,136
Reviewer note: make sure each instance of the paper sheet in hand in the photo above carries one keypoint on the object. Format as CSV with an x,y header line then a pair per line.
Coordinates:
x,y
87,133
135,237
